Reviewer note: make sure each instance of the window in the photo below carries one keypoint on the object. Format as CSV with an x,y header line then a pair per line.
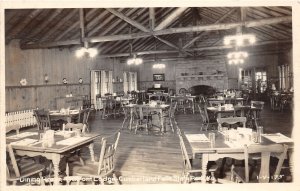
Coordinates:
x,y
246,77
130,81
261,81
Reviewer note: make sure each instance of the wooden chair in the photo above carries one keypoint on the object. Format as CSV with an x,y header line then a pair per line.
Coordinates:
x,y
106,165
189,169
206,121
84,118
231,121
144,119
255,114
170,115
241,174
16,171
42,118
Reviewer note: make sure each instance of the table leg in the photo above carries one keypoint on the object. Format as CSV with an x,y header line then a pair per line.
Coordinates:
x,y
204,168
91,148
55,161
131,119
162,122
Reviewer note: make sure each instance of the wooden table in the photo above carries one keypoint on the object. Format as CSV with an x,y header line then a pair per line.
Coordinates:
x,y
221,150
233,110
157,108
57,151
66,116
231,100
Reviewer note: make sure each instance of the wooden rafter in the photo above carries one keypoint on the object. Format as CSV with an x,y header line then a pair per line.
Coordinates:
x,y
74,26
128,20
170,18
118,26
202,33
36,30
223,26
152,18
59,24
20,26
192,49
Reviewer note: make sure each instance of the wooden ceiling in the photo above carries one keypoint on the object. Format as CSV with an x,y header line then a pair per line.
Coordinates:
x,y
175,32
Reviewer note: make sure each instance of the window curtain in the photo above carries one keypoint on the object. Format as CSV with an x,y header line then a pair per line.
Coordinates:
x,y
110,84
130,82
125,82
135,81
93,87
284,77
103,83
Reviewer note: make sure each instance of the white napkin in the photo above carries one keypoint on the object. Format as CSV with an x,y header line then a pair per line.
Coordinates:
x,y
22,135
71,141
24,142
278,138
196,137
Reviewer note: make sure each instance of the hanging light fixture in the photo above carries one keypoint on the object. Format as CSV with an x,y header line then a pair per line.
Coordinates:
x,y
157,65
84,50
239,39
134,60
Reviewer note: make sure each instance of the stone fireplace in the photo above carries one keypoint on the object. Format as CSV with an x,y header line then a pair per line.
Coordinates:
x,y
202,72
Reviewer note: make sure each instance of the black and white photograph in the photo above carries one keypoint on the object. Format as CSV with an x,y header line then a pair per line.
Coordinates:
x,y
200,95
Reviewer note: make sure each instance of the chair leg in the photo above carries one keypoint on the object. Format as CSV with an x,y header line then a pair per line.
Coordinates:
x,y
116,179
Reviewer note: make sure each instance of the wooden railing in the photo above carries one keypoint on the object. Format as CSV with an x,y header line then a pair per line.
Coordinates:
x,y
25,118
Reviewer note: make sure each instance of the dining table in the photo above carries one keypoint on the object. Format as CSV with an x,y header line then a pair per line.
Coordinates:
x,y
230,100
187,97
66,115
30,144
159,108
218,111
202,147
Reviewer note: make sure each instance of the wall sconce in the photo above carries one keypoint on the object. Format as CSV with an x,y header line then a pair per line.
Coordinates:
x,y
46,78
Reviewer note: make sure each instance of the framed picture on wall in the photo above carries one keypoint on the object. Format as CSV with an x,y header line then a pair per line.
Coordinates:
x,y
158,77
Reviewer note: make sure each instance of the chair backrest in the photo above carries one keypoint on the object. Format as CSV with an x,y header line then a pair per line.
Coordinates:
x,y
13,161
15,127
202,114
265,150
258,104
172,109
107,154
42,118
186,160
231,121
86,116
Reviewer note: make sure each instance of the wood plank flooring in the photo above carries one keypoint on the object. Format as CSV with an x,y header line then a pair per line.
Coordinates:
x,y
156,159
159,156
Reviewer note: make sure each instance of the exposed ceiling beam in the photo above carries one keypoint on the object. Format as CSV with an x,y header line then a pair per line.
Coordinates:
x,y
36,30
172,45
22,24
152,18
74,26
219,26
59,24
202,33
117,26
128,20
170,18
191,49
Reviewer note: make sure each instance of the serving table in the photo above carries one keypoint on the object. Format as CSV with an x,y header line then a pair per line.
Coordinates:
x,y
28,144
222,149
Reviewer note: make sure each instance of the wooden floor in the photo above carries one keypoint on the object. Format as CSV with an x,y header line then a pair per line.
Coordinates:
x,y
156,159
